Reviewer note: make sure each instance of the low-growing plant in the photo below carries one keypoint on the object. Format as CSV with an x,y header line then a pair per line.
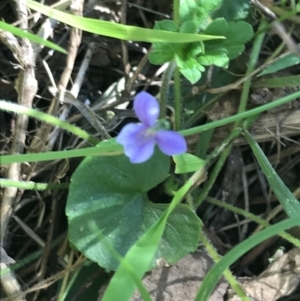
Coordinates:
x,y
111,219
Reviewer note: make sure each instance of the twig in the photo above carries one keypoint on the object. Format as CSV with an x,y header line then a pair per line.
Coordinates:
x,y
74,91
42,134
277,27
123,43
75,40
26,86
9,281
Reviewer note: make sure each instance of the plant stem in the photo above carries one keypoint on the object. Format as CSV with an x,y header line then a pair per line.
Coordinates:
x,y
243,115
15,108
251,67
176,17
32,185
112,149
227,274
248,215
213,175
165,87
177,96
244,97
115,149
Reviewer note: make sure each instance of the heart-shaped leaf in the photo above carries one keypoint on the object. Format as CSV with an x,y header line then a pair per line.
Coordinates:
x,y
111,193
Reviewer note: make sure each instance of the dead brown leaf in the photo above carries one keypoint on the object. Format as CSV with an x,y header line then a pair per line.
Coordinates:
x,y
280,279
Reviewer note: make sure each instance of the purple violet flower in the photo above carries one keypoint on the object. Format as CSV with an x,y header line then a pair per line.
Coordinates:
x,y
139,139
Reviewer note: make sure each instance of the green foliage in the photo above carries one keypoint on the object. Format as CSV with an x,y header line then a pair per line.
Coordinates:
x,y
89,278
108,207
187,163
198,10
112,193
288,201
285,62
191,58
233,10
140,255
236,34
189,68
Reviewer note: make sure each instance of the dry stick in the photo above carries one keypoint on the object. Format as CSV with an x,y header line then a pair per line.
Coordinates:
x,y
47,282
39,140
9,282
277,27
109,105
26,86
236,85
76,8
44,32
123,43
74,91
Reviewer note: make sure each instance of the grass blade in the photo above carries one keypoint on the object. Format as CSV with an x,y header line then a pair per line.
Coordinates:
x,y
118,31
288,201
216,271
33,38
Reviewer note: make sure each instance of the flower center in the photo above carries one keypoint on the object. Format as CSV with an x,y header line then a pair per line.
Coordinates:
x,y
161,124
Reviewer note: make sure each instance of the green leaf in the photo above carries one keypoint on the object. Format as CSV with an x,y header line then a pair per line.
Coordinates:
x,y
277,82
236,33
161,53
112,193
189,27
140,255
187,163
288,201
167,25
190,68
285,62
89,277
187,10
197,10
217,57
33,38
233,10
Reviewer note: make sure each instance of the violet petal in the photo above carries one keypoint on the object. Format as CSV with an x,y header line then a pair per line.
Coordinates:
x,y
137,142
129,132
146,108
170,142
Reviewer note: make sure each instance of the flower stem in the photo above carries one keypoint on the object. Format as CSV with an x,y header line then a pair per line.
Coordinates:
x,y
244,97
227,274
176,17
177,103
251,67
213,175
177,100
165,87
